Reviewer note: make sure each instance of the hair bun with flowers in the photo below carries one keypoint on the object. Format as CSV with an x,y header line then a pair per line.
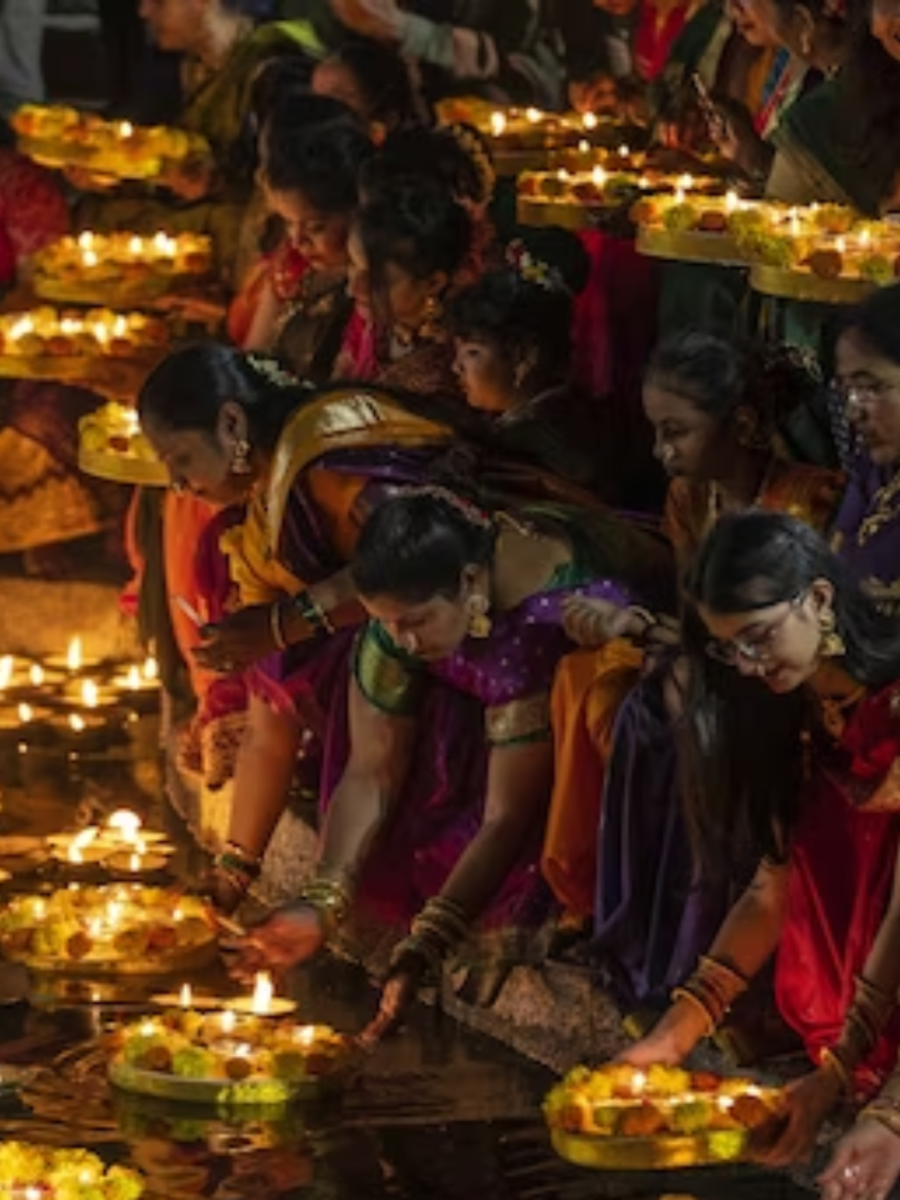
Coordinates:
x,y
271,370
534,270
472,146
471,513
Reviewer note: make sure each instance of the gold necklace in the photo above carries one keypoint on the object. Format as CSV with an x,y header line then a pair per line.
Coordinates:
x,y
885,508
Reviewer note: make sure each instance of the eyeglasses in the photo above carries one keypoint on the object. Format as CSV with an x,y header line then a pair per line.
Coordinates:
x,y
757,649
861,395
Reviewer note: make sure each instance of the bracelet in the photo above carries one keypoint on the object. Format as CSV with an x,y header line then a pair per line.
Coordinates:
x,y
884,1116
276,627
442,922
312,612
330,899
832,1062
419,946
684,993
236,858
651,620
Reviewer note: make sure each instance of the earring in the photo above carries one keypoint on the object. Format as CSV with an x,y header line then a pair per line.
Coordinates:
x,y
805,43
477,608
430,329
240,458
832,644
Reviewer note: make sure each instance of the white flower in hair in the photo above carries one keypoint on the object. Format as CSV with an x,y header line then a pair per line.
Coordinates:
x,y
271,371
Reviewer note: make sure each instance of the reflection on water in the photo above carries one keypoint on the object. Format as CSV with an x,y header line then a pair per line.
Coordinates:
x,y
435,1114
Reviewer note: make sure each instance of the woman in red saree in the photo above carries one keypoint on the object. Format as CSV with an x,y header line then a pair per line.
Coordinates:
x,y
815,678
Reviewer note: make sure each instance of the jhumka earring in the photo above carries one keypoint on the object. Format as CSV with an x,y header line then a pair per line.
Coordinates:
x,y
240,458
478,608
832,644
430,328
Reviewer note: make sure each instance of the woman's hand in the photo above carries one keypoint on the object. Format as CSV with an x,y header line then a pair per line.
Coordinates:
x,y
89,181
806,1104
289,937
237,641
652,1050
591,622
397,997
191,180
378,19
866,1163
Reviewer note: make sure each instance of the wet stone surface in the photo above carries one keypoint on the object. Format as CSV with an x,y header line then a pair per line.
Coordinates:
x,y
436,1113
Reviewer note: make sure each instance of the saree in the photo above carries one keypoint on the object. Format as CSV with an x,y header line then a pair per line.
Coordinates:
x,y
491,692
841,872
867,530
617,848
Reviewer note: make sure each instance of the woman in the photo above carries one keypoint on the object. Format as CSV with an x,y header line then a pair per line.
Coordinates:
x,y
839,144
442,762
314,151
816,677
222,52
375,82
513,339
715,409
409,247
867,530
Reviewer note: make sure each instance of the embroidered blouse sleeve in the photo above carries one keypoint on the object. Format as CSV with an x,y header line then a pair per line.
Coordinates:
x,y
391,680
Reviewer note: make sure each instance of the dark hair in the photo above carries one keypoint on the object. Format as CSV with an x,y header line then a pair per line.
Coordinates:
x,y
384,80
516,313
418,227
417,546
877,322
278,81
317,151
189,387
455,158
750,561
718,377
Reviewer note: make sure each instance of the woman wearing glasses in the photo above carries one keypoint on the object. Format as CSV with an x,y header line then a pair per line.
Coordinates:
x,y
792,749
867,530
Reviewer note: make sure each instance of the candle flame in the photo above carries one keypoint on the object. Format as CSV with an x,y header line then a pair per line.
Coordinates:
x,y
7,663
26,713
185,996
134,862
127,824
624,150
136,246
133,679
74,656
126,129
89,259
533,115
86,240
498,123
150,669
263,993
229,1020
840,245
305,1036
77,723
589,120
90,694
638,1082
79,842
599,176
37,675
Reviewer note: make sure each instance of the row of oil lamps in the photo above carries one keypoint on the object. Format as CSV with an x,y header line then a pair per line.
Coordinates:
x,y
70,699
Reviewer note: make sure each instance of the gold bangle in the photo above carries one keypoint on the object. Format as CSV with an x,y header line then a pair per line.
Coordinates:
x,y
830,1060
684,993
276,627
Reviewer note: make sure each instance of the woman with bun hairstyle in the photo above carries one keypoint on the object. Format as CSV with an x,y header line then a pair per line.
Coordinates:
x,y
376,83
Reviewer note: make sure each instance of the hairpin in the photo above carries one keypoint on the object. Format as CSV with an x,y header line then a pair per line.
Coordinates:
x,y
534,270
470,512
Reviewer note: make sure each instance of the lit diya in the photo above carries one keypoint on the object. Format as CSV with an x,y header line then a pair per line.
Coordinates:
x,y
111,445
24,723
35,1172
45,333
619,1117
96,265
263,1002
127,928
187,999
227,1058
21,677
73,662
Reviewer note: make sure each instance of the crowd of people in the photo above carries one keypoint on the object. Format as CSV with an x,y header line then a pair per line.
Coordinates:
x,y
543,700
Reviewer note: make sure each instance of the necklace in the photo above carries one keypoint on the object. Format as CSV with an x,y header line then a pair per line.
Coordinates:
x,y
885,507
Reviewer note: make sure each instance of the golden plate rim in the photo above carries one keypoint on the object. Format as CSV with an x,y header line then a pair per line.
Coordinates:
x,y
195,958
119,468
718,1148
137,1081
692,245
786,283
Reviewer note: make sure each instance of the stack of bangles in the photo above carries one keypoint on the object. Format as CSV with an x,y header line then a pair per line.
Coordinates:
x,y
238,867
886,1105
712,989
867,1016
309,609
330,900
439,929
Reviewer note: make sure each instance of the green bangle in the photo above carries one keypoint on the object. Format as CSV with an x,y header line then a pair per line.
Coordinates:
x,y
312,612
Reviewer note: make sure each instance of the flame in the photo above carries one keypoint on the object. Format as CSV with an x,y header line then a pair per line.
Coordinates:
x,y
498,123
136,246
599,176
86,240
229,1020
90,694
74,655
589,121
80,841
134,862
624,151
305,1036
185,996
77,723
133,679
731,201
26,713
7,665
127,824
150,669
89,259
126,129
533,115
36,675
638,1082
263,993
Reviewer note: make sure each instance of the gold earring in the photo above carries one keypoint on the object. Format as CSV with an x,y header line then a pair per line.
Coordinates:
x,y
832,644
240,458
478,608
430,329
806,44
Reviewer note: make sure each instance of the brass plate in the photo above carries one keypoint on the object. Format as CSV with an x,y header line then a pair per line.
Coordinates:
x,y
65,369
107,293
254,1094
568,215
690,246
195,958
650,1154
121,469
804,286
